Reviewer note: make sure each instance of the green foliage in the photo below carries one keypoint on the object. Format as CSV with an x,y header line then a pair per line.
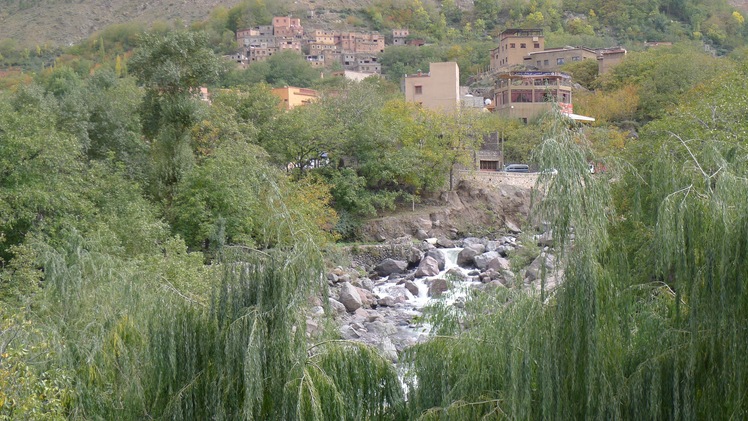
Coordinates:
x,y
235,197
662,76
172,67
286,68
583,72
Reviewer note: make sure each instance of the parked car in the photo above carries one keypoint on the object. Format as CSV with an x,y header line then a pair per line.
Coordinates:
x,y
517,168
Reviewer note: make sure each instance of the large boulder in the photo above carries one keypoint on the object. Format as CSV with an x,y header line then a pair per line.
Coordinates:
x,y
411,287
367,297
336,306
456,274
534,271
389,266
437,287
499,264
481,261
428,267
445,242
415,256
350,297
439,256
466,257
472,241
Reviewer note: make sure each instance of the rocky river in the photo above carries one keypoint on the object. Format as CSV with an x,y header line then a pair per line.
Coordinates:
x,y
380,298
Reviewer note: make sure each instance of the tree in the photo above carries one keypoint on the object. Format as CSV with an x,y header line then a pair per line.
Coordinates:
x,y
172,67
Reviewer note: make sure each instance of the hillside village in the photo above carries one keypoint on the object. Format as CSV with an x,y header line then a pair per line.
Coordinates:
x,y
523,82
520,59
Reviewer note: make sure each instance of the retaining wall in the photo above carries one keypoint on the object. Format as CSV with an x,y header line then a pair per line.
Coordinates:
x,y
498,178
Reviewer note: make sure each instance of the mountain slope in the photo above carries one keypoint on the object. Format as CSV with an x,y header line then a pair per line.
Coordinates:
x,y
66,22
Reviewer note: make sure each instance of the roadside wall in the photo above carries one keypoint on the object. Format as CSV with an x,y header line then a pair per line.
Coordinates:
x,y
498,178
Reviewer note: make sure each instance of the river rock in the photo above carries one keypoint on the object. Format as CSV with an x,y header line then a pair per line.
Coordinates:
x,y
504,249
499,264
471,241
428,267
367,284
437,287
388,349
389,301
445,243
455,274
336,306
411,287
481,261
439,256
466,257
367,297
350,297
415,256
533,271
389,266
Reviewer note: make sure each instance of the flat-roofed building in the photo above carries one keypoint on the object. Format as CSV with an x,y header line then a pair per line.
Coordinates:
x,y
514,45
607,58
291,97
553,58
439,89
526,95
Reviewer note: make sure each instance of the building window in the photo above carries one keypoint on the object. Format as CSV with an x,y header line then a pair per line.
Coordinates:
x,y
536,45
523,45
512,45
560,61
576,58
545,62
419,89
538,62
489,165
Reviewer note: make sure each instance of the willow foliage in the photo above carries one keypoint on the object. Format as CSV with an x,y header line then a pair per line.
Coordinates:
x,y
649,320
143,340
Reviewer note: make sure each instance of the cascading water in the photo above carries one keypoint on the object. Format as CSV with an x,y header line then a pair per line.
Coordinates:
x,y
414,300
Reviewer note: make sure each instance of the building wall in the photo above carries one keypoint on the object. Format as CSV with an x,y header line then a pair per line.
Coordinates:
x,y
553,59
514,45
526,95
609,59
438,90
291,97
492,179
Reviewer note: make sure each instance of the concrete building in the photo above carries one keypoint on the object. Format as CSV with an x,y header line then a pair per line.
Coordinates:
x,y
291,97
609,57
320,36
400,36
368,64
357,42
514,45
439,89
353,75
526,95
316,61
552,59
286,26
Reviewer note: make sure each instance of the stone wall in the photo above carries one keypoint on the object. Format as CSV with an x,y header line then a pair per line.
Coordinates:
x,y
498,178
